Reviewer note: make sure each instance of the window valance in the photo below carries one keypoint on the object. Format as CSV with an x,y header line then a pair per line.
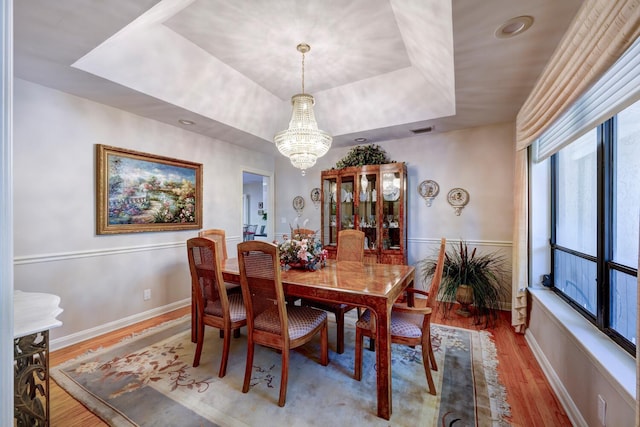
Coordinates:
x,y
599,34
618,88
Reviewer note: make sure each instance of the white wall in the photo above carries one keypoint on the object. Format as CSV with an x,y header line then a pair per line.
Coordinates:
x,y
479,160
101,279
6,215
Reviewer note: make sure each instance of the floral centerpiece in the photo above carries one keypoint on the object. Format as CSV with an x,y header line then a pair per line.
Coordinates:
x,y
302,251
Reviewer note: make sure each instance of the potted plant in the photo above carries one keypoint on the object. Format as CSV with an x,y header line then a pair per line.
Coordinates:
x,y
469,278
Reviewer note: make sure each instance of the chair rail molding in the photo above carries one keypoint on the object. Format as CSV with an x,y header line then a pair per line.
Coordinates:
x,y
39,258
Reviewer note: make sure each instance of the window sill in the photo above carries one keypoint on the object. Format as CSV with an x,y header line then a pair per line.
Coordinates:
x,y
610,359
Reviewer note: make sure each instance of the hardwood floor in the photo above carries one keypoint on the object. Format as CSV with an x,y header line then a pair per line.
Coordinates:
x,y
533,402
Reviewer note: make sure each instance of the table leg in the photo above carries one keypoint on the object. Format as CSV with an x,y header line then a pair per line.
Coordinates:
x,y
383,359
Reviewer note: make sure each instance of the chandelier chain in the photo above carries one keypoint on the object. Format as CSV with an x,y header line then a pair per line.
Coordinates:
x,y
302,72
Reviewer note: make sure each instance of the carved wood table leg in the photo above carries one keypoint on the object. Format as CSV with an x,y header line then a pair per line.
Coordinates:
x,y
31,379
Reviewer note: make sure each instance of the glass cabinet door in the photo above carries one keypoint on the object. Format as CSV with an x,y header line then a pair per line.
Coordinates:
x,y
367,214
391,214
346,188
329,211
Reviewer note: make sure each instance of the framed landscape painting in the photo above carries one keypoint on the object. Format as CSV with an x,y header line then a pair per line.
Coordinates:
x,y
139,192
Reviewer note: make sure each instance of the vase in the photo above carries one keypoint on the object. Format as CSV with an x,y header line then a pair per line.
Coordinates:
x,y
464,295
298,265
304,265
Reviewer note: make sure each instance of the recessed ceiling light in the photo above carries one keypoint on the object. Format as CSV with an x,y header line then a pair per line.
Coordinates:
x,y
514,26
360,139
186,122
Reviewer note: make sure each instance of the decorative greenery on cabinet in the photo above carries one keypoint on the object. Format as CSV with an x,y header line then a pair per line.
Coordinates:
x,y
363,155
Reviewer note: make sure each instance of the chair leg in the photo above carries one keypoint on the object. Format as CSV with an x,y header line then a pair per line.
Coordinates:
x,y
249,367
432,358
372,344
324,345
284,377
199,341
236,333
427,368
225,354
340,331
194,320
358,356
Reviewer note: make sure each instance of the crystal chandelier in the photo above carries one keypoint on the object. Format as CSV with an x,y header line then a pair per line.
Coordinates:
x,y
303,142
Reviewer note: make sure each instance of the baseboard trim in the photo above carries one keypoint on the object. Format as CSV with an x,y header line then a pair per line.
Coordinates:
x,y
561,392
67,340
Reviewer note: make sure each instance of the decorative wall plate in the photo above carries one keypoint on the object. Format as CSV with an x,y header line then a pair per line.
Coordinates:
x,y
428,189
458,198
315,197
298,204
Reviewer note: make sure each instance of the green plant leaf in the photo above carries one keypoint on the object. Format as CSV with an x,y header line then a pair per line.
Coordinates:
x,y
484,273
362,155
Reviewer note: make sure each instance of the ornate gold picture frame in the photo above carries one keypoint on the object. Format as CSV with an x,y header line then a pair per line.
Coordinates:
x,y
138,192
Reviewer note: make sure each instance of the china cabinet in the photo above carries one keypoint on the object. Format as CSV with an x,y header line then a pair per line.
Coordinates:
x,y
371,199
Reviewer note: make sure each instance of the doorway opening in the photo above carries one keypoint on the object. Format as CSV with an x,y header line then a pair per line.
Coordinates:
x,y
257,205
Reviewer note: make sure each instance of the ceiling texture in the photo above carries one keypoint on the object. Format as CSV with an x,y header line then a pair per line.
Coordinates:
x,y
378,69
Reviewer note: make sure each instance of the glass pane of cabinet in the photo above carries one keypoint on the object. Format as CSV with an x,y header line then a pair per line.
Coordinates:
x,y
391,191
367,214
329,211
347,214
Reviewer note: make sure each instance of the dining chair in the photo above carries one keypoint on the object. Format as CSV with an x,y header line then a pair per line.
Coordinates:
x,y
350,248
250,232
218,236
261,233
213,306
410,325
270,321
434,288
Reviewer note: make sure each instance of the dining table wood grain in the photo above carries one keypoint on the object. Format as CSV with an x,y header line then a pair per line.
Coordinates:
x,y
375,286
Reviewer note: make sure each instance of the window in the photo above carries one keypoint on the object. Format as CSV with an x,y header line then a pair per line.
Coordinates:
x,y
595,224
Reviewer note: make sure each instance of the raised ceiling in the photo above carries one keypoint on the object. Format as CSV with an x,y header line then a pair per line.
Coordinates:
x,y
377,68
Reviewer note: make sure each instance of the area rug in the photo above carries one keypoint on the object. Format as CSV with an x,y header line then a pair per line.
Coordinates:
x,y
148,380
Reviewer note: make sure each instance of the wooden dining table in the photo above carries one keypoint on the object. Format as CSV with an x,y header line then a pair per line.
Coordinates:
x,y
375,286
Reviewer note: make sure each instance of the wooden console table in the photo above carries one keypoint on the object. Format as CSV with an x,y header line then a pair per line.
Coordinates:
x,y
33,315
